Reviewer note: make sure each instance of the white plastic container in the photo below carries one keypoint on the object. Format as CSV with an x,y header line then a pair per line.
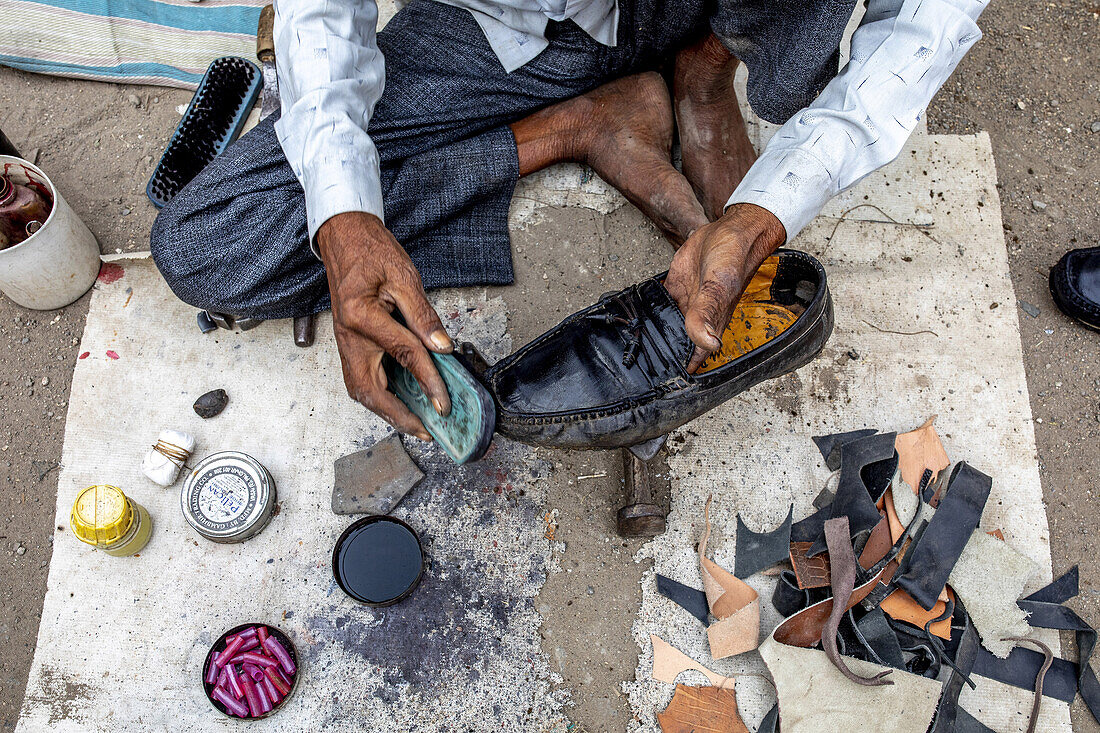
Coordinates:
x,y
58,263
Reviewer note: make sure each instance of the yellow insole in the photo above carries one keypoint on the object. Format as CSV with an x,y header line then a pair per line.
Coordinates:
x,y
757,319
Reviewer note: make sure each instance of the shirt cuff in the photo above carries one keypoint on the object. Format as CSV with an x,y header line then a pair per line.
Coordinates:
x,y
339,187
792,184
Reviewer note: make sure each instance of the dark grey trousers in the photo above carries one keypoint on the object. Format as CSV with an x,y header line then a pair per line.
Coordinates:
x,y
235,240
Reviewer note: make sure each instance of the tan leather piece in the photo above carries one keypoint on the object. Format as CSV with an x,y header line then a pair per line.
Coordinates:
x,y
886,504
804,628
810,572
920,450
900,606
878,544
669,662
702,710
757,319
732,601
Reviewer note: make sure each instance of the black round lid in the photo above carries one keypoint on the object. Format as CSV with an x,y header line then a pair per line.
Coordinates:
x,y
378,560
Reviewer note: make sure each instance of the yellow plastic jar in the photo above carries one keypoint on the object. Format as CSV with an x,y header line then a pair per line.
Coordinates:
x,y
106,518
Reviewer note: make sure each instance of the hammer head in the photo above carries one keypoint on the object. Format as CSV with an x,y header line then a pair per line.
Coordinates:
x,y
641,520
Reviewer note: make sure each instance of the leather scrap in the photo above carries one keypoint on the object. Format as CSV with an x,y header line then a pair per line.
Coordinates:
x,y
669,662
878,545
989,578
803,629
814,696
809,529
770,723
756,551
734,604
789,599
928,564
691,600
1021,669
949,712
1045,610
702,710
829,444
854,498
901,606
876,636
843,579
920,450
1037,701
811,572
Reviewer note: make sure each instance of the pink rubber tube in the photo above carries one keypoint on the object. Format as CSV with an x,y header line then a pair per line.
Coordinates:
x,y
279,652
272,693
234,685
253,658
251,696
236,707
276,679
265,703
230,651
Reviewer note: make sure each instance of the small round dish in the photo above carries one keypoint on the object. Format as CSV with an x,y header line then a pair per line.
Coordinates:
x,y
228,497
378,560
287,644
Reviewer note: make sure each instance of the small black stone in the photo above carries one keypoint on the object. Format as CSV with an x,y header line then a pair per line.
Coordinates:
x,y
211,403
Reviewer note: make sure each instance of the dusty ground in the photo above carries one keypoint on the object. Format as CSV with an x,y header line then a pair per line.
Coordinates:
x,y
1032,84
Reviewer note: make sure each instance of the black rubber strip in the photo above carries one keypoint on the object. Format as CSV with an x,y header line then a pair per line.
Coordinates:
x,y
829,444
756,551
949,713
928,564
1045,611
691,600
1022,667
876,635
811,528
853,497
770,723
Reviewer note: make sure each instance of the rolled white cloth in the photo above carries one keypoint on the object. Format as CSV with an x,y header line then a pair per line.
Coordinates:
x,y
163,462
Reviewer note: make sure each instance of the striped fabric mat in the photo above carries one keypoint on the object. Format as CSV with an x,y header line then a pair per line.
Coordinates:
x,y
166,42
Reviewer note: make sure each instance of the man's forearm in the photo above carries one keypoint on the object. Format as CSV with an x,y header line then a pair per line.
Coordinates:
x,y
328,85
902,53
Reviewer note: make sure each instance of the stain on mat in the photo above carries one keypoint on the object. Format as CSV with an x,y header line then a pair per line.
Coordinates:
x,y
61,696
470,614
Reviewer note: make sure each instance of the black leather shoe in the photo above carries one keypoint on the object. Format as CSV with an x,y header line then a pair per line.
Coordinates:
x,y
1075,285
614,375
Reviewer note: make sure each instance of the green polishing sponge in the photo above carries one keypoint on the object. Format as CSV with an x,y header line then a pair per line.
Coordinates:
x,y
466,431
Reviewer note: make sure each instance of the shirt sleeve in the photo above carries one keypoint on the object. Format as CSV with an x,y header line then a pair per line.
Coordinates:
x,y
331,75
902,53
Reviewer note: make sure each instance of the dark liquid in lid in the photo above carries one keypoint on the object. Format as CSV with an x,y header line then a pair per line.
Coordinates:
x,y
378,560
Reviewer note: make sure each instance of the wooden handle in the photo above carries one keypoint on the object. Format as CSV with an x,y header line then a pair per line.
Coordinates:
x,y
265,34
304,329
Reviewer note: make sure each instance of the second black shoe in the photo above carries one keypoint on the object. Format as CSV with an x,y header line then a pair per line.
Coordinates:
x,y
1075,285
615,374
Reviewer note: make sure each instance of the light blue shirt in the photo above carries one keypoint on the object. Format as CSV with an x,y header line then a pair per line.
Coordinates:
x,y
331,74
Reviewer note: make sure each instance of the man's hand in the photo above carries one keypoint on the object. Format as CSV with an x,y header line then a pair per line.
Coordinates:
x,y
370,275
712,269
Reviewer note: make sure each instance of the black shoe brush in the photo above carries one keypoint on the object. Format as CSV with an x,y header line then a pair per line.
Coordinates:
x,y
212,121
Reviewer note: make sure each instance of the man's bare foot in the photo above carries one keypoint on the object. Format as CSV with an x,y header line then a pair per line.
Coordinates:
x,y
623,130
715,147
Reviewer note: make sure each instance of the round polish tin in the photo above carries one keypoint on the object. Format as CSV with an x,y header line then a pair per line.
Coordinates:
x,y
228,497
378,560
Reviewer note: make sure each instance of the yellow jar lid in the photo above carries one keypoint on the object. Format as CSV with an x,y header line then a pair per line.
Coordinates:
x,y
101,516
